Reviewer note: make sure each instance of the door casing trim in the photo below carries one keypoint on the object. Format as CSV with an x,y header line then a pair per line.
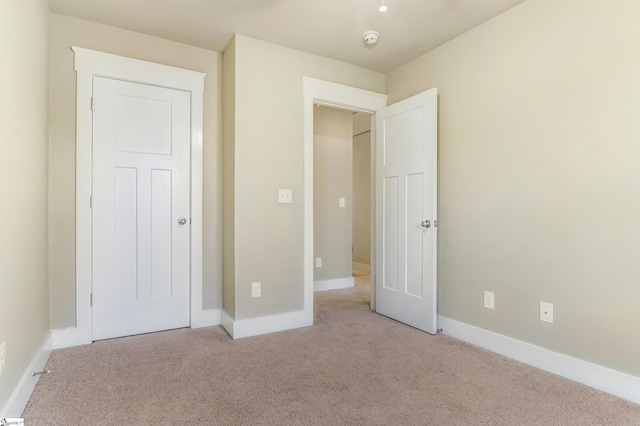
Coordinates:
x,y
339,96
90,63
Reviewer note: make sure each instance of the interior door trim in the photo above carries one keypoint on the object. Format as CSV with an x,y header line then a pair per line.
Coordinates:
x,y
339,96
90,63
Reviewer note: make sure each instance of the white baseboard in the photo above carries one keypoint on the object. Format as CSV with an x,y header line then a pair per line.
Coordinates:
x,y
361,267
206,318
334,284
64,338
227,322
21,394
239,329
602,378
67,337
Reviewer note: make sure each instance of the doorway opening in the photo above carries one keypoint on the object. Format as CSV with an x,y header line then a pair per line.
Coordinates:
x,y
318,92
405,252
342,199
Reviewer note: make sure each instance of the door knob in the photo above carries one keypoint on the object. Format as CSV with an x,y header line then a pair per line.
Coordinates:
x,y
182,221
426,224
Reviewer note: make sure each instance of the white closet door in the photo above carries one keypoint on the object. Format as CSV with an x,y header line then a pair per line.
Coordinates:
x,y
140,208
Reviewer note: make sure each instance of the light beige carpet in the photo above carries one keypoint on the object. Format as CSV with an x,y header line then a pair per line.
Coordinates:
x,y
353,367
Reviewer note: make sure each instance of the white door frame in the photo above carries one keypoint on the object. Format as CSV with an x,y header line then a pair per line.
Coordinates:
x,y
90,63
336,96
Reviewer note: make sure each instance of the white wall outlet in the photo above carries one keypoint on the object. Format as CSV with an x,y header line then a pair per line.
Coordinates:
x,y
343,202
285,196
256,290
489,300
318,262
546,312
3,355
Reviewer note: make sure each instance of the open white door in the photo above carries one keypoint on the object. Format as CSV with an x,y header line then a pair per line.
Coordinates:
x,y
141,214
406,208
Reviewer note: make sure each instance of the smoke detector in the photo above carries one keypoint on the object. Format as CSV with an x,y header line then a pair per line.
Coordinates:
x,y
371,37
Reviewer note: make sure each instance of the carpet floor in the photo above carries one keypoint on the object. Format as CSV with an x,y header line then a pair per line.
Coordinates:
x,y
353,367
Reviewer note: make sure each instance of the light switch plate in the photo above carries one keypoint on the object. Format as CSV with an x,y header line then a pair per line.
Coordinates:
x,y
342,202
285,196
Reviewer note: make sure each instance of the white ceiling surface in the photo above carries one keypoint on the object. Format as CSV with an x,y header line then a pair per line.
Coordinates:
x,y
330,28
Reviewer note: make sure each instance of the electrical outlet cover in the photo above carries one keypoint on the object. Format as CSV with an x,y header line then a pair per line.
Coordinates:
x,y
256,290
546,312
489,300
285,196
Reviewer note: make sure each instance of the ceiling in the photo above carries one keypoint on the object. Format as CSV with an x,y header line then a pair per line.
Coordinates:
x,y
330,28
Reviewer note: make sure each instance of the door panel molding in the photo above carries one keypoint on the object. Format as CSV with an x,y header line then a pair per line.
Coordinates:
x,y
90,63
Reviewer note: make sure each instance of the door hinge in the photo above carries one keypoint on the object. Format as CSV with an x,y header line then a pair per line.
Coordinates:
x,y
92,103
91,299
90,201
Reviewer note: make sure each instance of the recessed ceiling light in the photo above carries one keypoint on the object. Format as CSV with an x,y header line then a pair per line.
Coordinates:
x,y
383,7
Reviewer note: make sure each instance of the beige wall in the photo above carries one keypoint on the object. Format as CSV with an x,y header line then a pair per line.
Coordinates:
x,y
361,122
539,174
229,113
362,188
67,32
24,314
332,180
268,156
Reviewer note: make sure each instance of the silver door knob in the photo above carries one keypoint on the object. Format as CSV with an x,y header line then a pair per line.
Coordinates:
x,y
182,221
426,224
